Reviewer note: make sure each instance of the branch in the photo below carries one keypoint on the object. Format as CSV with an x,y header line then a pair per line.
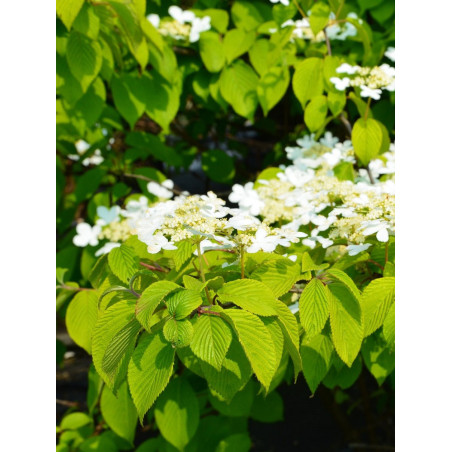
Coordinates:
x,y
155,267
147,179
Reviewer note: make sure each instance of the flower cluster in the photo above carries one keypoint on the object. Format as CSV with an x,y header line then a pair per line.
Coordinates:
x,y
184,25
81,147
307,194
371,81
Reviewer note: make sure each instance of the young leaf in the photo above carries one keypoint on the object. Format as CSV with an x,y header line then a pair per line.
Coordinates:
x,y
278,275
257,343
308,79
272,87
150,369
316,353
320,14
307,264
211,340
377,299
249,294
236,42
367,139
178,332
67,11
313,307
182,302
119,412
346,322
315,113
212,51
123,262
177,413
150,299
342,277
81,317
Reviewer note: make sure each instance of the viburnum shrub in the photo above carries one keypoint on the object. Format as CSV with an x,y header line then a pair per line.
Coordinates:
x,y
196,307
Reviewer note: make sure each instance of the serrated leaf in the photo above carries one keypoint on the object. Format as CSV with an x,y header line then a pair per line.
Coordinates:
x,y
377,299
178,332
344,377
234,374
114,323
277,336
81,317
149,370
307,264
177,413
211,340
67,11
278,275
377,357
150,299
342,277
239,405
307,81
256,342
346,322
316,354
182,302
389,328
313,307
119,412
123,262
249,294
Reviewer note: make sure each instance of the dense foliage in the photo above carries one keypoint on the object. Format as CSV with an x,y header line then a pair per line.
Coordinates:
x,y
196,307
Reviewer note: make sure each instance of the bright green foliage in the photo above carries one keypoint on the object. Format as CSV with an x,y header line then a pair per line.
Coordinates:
x,y
122,262
81,318
211,340
367,139
119,412
314,307
272,87
346,322
315,113
377,299
177,413
181,303
251,295
178,332
67,10
212,51
237,42
307,81
378,357
256,342
319,17
150,369
316,354
150,299
389,328
239,405
307,264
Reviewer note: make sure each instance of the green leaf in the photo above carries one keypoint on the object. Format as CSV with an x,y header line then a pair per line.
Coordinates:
x,y
336,102
128,97
239,405
268,409
236,42
308,80
150,369
272,87
67,11
150,299
114,338
344,376
315,113
234,374
178,332
183,302
340,276
177,413
316,353
249,294
389,328
119,412
367,139
320,15
378,358
249,15
346,322
257,343
345,171
212,51
123,262
74,421
87,22
313,307
239,442
84,57
308,265
238,84
211,340
218,165
95,385
81,317
219,18
377,299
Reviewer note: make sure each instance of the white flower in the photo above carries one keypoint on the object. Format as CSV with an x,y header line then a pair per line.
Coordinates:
x,y
82,146
208,245
390,53
294,308
247,198
180,15
369,92
329,140
106,248
346,68
376,226
340,83
213,206
306,142
292,235
108,215
311,241
135,208
154,19
158,242
283,2
198,26
353,250
162,190
86,235
241,220
265,242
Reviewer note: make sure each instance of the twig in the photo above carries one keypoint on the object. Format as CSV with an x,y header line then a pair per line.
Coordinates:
x,y
375,263
66,287
147,179
296,290
67,403
371,177
156,268
346,123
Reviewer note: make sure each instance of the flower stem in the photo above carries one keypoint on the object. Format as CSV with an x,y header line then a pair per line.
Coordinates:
x,y
299,9
366,113
242,261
